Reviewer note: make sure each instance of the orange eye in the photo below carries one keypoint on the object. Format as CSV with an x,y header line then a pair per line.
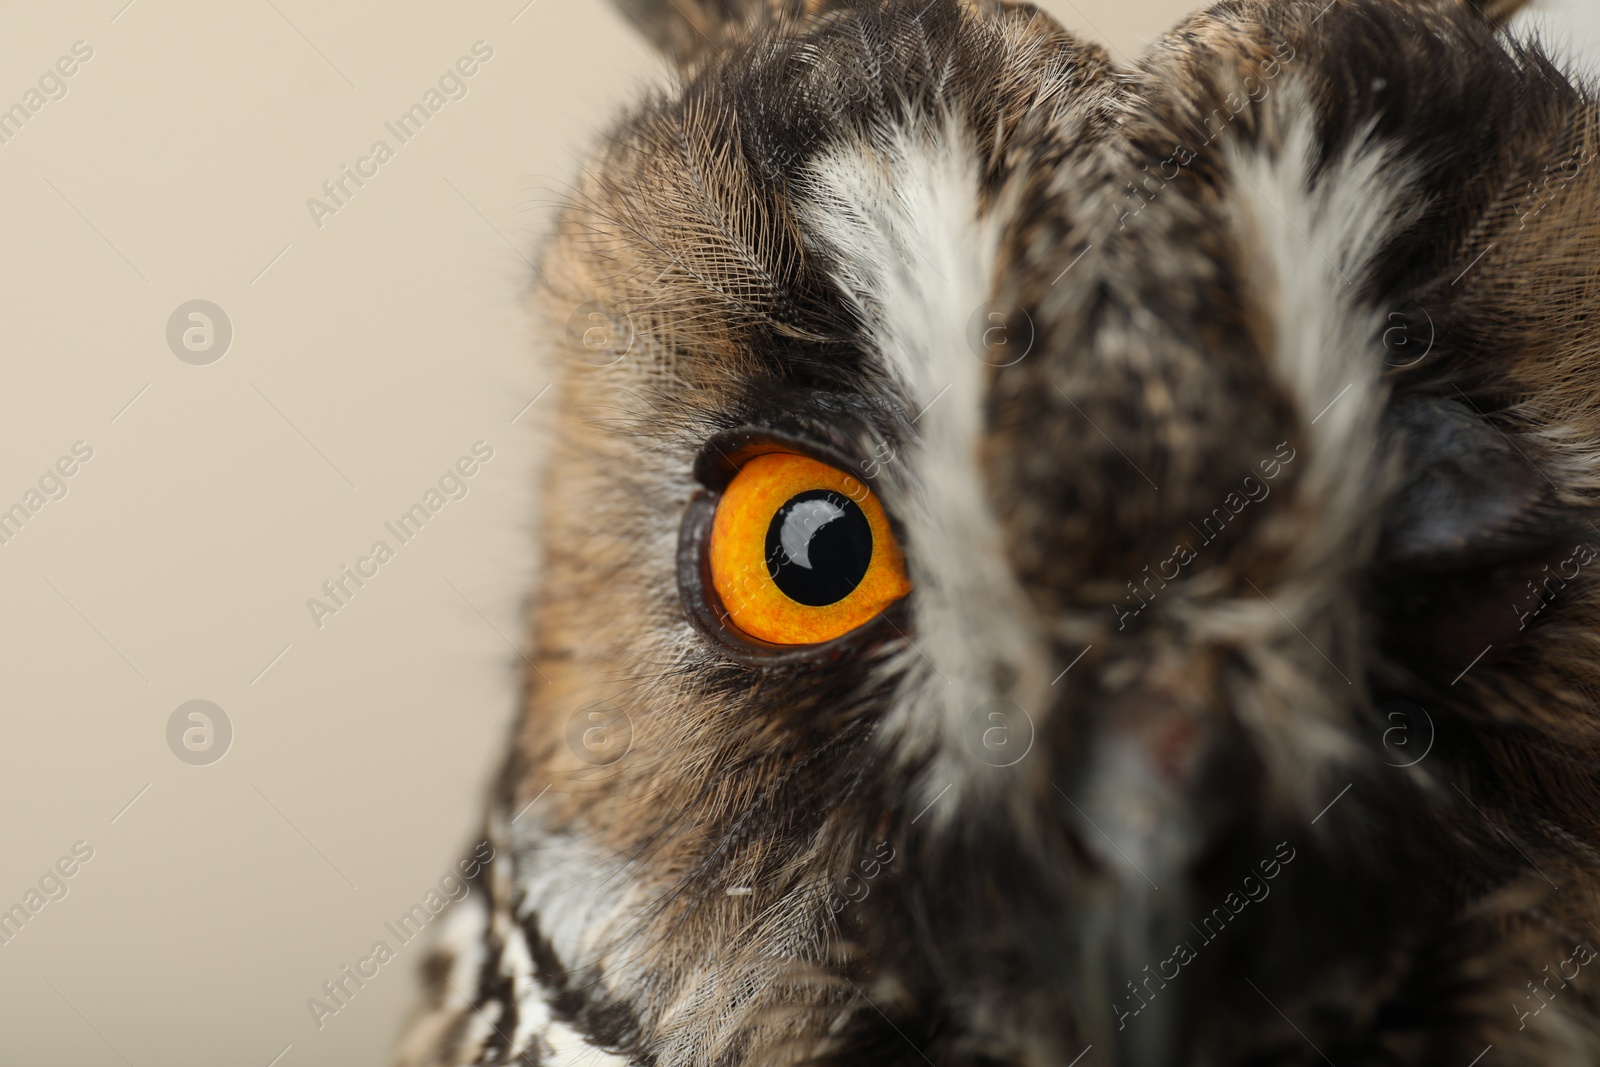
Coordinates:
x,y
801,552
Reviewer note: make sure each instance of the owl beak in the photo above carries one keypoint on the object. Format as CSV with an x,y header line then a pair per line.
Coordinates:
x,y
1139,817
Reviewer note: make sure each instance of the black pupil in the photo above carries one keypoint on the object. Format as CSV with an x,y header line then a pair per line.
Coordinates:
x,y
818,547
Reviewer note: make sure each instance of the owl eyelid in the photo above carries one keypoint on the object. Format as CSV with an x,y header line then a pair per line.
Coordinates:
x,y
724,453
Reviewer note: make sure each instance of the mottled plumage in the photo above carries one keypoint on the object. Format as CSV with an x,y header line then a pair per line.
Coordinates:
x,y
1239,418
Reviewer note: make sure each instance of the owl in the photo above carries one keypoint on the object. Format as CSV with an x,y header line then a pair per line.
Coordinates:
x,y
1047,561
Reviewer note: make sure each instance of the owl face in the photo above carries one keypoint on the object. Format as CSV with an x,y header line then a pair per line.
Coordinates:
x,y
1044,560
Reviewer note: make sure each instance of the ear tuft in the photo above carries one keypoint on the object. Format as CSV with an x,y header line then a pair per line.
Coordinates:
x,y
1497,12
685,29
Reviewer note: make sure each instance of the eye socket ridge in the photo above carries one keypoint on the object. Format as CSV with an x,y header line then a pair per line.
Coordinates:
x,y
1466,540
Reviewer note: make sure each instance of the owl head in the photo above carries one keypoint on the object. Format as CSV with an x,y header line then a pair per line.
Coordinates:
x,y
1051,560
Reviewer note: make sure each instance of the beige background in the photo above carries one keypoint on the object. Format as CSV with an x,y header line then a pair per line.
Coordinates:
x,y
368,354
